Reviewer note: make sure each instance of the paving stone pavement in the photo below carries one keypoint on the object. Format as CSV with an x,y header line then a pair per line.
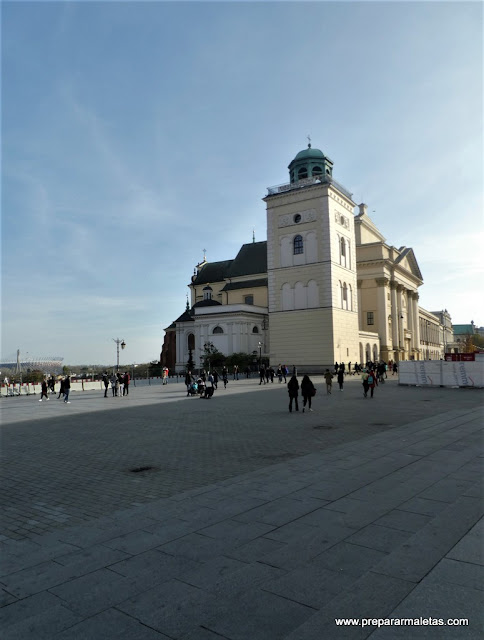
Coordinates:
x,y
252,524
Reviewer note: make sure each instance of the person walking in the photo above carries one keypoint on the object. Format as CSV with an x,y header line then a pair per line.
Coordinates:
x,y
188,381
262,375
394,368
62,389
293,390
225,377
44,390
119,385
236,372
371,381
308,390
328,376
364,381
126,384
341,378
215,378
67,388
106,384
113,380
279,373
285,372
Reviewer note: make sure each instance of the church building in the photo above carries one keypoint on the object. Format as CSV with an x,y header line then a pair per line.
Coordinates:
x,y
324,287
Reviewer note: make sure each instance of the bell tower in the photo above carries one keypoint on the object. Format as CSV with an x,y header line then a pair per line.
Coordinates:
x,y
311,263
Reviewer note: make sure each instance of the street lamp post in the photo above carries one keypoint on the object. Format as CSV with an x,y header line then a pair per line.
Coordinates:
x,y
123,346
260,353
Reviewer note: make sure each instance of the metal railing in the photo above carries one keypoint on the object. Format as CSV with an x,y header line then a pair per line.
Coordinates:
x,y
306,182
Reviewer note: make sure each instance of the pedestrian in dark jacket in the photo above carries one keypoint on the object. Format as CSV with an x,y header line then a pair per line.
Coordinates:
x,y
341,378
188,381
215,378
67,388
293,389
44,391
308,390
106,384
62,389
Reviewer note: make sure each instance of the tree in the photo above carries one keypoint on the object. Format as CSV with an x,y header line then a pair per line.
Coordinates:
x,y
34,375
242,360
211,356
66,370
478,341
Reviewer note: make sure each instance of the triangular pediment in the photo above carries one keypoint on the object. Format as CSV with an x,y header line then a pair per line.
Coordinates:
x,y
407,260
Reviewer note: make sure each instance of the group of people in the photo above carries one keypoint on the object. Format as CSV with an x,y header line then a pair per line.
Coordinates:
x,y
119,383
308,391
65,388
206,383
372,375
355,369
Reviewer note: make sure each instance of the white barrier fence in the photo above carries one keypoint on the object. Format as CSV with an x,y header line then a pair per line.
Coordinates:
x,y
31,388
439,373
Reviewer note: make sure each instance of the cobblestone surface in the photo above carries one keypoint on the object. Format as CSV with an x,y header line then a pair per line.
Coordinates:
x,y
63,465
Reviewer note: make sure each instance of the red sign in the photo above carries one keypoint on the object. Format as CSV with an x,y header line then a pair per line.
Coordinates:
x,y
460,357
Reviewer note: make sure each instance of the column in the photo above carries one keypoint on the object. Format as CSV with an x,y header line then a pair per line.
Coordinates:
x,y
401,333
360,310
416,323
382,310
393,289
410,321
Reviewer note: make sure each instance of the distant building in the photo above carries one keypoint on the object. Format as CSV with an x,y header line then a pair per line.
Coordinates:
x,y
461,334
324,287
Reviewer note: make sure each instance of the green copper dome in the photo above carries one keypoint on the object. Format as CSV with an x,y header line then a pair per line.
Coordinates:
x,y
309,163
309,153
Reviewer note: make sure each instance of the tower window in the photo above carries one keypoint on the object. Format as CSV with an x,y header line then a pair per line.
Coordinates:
x,y
249,299
255,330
218,330
370,318
302,173
317,171
298,245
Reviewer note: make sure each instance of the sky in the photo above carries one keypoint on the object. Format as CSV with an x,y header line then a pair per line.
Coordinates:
x,y
137,134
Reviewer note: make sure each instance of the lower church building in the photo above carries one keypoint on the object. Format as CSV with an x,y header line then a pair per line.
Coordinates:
x,y
325,287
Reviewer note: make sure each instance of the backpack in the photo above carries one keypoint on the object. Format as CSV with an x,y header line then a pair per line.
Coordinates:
x,y
370,379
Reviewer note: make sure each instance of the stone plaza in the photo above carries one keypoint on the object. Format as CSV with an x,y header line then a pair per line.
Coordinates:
x,y
161,516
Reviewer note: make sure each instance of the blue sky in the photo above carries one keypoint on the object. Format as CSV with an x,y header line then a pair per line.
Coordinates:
x,y
134,135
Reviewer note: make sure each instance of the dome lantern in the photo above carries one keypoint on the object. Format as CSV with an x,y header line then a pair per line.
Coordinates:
x,y
309,163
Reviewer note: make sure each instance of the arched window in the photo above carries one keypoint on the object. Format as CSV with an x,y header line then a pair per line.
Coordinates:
x,y
218,330
345,296
350,298
342,252
191,341
302,173
255,330
317,171
298,245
